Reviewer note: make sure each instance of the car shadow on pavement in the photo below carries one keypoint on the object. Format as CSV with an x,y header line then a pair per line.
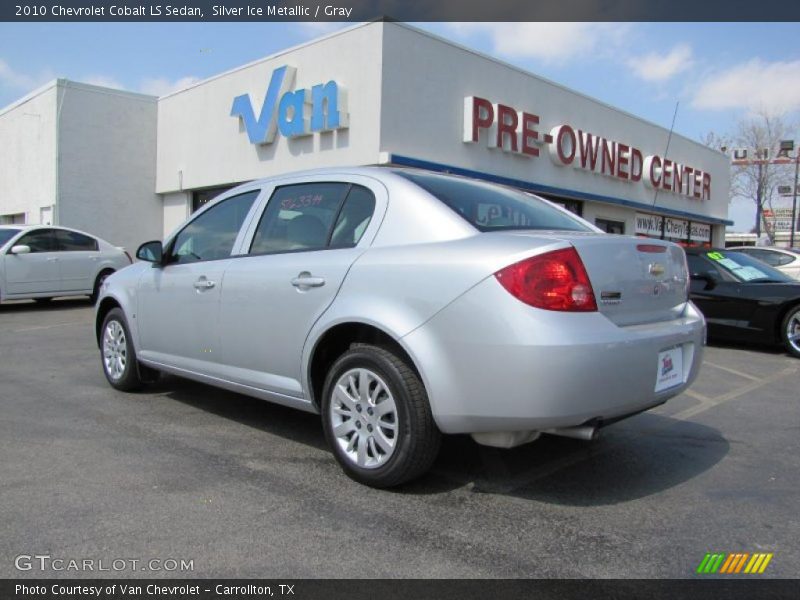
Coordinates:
x,y
289,423
23,306
641,456
644,455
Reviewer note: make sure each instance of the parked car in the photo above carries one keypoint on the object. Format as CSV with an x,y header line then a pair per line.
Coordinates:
x,y
786,260
744,299
403,304
45,262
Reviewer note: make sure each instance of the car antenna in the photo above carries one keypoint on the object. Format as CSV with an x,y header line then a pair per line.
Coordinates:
x,y
666,151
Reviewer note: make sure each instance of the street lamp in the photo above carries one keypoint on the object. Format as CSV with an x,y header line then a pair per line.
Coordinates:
x,y
786,147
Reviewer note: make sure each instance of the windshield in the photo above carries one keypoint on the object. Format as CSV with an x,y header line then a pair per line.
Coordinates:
x,y
490,207
746,268
7,234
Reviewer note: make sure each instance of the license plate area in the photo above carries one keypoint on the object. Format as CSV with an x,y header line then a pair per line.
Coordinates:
x,y
670,368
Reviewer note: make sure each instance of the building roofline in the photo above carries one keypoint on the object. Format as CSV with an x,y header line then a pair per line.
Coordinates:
x,y
69,84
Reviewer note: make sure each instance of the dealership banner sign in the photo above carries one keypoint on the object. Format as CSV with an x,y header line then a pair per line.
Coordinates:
x,y
675,229
518,132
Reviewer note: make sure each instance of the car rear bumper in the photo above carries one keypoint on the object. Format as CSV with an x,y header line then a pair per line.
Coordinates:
x,y
491,363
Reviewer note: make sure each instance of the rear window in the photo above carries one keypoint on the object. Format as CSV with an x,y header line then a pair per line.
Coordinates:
x,y
491,207
7,234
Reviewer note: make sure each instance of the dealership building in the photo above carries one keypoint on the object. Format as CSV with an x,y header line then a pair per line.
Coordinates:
x,y
131,168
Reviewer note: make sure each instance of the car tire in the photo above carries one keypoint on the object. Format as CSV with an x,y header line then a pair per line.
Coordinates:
x,y
101,277
790,331
117,354
377,418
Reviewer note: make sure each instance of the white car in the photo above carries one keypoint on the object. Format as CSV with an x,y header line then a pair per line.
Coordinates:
x,y
786,260
42,262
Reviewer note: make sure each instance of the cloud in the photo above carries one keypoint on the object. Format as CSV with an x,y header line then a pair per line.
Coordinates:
x,y
754,85
161,86
548,42
23,81
660,67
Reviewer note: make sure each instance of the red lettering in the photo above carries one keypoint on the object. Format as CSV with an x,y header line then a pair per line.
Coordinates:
x,y
506,127
706,186
589,145
636,164
666,174
687,171
677,178
698,179
566,132
482,116
655,171
622,160
609,152
529,133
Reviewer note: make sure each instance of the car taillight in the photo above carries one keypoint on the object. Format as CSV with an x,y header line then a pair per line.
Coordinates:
x,y
554,281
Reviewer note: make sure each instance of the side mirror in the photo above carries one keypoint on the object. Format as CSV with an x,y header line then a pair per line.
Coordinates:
x,y
151,252
20,249
709,278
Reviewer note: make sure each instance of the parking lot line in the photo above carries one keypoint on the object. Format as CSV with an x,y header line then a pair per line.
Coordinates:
x,y
751,387
729,370
38,327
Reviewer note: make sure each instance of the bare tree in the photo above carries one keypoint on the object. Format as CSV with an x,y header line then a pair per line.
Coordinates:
x,y
758,136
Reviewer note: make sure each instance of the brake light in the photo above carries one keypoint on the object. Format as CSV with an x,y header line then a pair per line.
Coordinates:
x,y
553,281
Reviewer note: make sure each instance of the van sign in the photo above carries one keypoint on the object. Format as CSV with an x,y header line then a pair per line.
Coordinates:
x,y
295,113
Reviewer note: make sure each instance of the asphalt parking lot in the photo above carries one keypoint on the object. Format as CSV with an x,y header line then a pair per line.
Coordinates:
x,y
246,489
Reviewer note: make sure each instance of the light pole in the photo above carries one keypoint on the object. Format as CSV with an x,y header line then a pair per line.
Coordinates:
x,y
786,147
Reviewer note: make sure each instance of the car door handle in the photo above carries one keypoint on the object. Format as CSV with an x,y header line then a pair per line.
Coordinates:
x,y
52,259
305,280
204,284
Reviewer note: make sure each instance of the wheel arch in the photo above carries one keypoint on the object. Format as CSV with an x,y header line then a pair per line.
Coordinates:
x,y
336,340
782,313
106,305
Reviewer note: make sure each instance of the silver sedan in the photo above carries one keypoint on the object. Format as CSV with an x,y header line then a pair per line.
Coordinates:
x,y
43,262
402,305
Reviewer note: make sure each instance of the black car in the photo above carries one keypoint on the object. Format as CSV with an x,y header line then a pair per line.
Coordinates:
x,y
744,299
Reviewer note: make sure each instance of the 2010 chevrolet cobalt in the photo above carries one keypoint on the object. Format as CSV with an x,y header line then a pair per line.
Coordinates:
x,y
404,304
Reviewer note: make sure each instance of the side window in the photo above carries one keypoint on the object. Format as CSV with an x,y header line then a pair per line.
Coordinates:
x,y
212,234
299,217
41,240
779,259
71,241
353,218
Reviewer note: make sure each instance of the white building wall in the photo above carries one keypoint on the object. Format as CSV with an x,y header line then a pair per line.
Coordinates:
x,y
177,206
425,81
107,164
28,166
201,145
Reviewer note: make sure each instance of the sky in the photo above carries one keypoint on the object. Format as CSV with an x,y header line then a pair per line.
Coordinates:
x,y
715,73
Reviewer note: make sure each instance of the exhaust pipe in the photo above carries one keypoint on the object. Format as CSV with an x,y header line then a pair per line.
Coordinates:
x,y
586,433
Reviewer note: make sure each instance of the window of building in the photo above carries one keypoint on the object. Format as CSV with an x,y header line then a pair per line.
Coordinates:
x,y
12,219
609,226
202,197
212,234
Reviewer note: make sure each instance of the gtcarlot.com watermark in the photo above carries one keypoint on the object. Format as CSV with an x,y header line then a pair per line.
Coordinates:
x,y
47,562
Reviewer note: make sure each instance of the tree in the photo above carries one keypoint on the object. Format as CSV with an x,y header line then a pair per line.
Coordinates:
x,y
756,139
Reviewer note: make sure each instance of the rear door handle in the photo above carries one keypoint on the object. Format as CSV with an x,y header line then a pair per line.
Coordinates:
x,y
305,280
204,284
